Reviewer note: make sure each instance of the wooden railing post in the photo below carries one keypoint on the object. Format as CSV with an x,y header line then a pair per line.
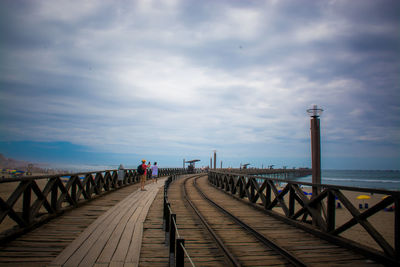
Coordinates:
x,y
168,215
73,190
88,187
54,196
268,192
180,254
397,227
172,236
252,190
26,204
165,214
292,194
331,210
242,193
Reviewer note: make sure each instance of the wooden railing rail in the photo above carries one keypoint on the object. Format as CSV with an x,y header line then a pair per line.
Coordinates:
x,y
34,200
297,206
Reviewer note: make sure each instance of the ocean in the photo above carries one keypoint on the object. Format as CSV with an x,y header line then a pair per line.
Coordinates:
x,y
388,180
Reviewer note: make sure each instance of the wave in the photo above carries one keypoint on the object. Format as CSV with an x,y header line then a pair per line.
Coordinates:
x,y
361,180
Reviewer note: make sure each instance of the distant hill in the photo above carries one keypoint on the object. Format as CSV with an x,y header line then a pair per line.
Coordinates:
x,y
9,163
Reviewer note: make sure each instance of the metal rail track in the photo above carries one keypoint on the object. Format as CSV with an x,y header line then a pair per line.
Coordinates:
x,y
228,255
292,259
266,241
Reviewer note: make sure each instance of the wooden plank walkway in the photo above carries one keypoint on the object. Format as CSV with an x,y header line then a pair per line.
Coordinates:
x,y
154,251
114,239
41,246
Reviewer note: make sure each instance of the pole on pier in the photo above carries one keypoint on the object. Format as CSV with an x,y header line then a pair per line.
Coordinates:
x,y
183,163
215,159
315,112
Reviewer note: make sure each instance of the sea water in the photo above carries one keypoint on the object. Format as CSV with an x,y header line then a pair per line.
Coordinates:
x,y
388,180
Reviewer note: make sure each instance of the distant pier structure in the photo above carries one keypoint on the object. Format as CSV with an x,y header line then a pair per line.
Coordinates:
x,y
244,166
192,163
272,173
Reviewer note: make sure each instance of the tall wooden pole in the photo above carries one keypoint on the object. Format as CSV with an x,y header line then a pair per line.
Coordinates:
x,y
315,153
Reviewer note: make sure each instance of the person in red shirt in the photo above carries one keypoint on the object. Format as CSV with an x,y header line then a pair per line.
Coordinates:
x,y
144,175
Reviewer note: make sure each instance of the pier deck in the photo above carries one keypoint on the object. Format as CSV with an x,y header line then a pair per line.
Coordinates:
x,y
115,237
41,246
124,228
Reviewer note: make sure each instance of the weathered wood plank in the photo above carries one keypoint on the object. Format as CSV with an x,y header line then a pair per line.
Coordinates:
x,y
101,242
133,254
109,239
78,249
119,241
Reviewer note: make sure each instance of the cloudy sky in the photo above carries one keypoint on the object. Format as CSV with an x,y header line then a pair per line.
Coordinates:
x,y
110,82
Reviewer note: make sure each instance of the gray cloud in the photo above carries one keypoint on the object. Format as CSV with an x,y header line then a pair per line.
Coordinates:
x,y
188,75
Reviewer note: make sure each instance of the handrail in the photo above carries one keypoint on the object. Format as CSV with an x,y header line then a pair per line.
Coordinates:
x,y
182,245
161,172
37,199
176,227
177,249
321,208
342,187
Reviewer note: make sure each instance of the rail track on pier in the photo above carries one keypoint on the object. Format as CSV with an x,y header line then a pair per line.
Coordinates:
x,y
222,231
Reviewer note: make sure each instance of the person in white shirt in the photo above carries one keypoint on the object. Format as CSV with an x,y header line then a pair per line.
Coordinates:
x,y
154,172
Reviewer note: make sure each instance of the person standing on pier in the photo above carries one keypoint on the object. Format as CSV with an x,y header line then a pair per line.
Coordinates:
x,y
148,170
154,172
143,175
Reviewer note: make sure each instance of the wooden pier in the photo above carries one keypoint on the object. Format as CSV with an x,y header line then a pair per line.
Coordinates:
x,y
127,227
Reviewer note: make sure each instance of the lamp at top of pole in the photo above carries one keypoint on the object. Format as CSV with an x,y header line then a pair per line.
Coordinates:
x,y
315,112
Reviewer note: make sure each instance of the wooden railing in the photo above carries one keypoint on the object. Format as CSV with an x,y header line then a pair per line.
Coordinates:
x,y
176,243
31,201
292,205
